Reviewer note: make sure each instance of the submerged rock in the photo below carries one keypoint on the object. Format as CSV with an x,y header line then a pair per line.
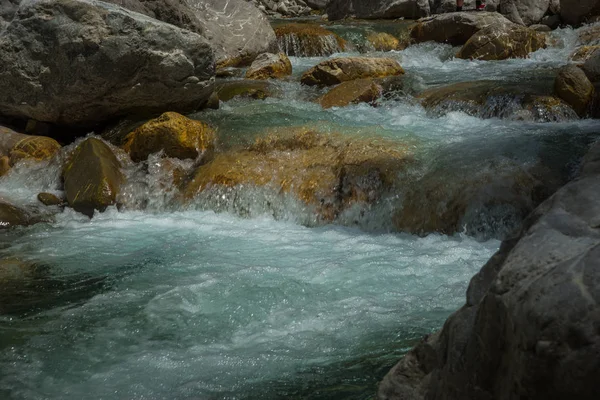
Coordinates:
x,y
382,41
351,92
500,43
308,40
531,314
18,146
228,90
573,86
455,28
92,177
497,99
269,65
338,70
327,172
11,216
74,48
376,9
176,135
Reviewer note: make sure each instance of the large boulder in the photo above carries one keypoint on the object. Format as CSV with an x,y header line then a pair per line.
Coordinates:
x,y
308,40
497,99
338,70
177,136
92,177
502,42
573,86
529,328
575,12
18,146
375,9
270,65
455,28
351,92
591,67
327,172
82,62
524,12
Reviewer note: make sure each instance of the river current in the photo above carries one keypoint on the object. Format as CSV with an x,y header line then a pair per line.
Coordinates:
x,y
209,302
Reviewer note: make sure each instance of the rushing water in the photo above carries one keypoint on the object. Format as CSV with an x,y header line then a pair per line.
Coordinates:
x,y
195,304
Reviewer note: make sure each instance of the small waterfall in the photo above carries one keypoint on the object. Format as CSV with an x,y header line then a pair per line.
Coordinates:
x,y
299,45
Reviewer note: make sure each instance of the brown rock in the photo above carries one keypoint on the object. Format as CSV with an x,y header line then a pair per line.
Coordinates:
x,y
92,177
269,65
308,40
502,42
11,216
328,172
176,135
581,54
573,86
18,146
455,28
338,70
48,199
382,41
351,92
4,165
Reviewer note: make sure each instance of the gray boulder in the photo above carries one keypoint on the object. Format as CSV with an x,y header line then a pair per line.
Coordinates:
x,y
529,328
575,12
591,67
317,4
524,12
374,9
81,62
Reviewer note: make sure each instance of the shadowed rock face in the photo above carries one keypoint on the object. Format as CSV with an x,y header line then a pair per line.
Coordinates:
x,y
64,62
575,12
529,328
373,9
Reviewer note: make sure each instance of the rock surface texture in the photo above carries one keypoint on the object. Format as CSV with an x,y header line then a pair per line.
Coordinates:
x,y
80,62
374,9
455,28
529,328
575,12
502,42
524,12
338,70
573,86
270,65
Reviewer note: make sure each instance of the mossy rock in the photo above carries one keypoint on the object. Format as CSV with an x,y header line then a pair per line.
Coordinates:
x,y
246,88
502,42
92,177
11,216
326,171
270,66
173,133
18,146
308,40
382,41
351,92
342,69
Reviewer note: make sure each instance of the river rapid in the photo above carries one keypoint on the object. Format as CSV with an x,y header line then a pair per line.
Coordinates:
x,y
244,294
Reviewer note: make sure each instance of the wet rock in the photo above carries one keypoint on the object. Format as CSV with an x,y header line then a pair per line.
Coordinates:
x,y
540,28
4,165
531,315
502,42
327,172
382,41
455,28
524,12
337,70
351,92
573,86
591,67
177,136
49,199
497,99
228,90
11,216
575,12
308,40
18,146
73,47
581,54
589,35
267,66
377,9
92,177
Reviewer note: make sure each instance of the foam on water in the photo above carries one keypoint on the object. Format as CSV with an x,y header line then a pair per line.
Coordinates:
x,y
204,305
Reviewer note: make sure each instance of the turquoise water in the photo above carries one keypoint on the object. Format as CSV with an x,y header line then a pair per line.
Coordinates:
x,y
242,295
